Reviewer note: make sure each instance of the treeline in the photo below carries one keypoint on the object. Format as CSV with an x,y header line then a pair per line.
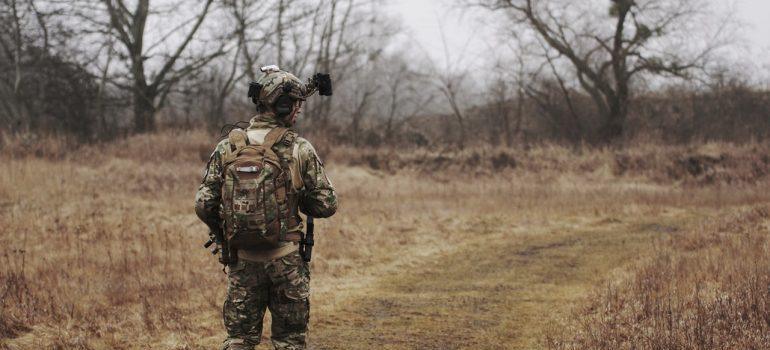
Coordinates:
x,y
94,70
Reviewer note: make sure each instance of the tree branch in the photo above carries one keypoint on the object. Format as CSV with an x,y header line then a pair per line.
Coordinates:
x,y
175,56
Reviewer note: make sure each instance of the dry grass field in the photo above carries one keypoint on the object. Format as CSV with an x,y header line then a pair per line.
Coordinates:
x,y
653,247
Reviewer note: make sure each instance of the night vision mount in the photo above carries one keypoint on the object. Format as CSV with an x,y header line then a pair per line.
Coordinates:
x,y
254,89
322,82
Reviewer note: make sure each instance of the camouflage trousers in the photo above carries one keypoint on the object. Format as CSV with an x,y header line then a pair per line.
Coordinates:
x,y
282,286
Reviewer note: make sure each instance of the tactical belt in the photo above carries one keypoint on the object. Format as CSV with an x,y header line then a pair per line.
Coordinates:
x,y
267,255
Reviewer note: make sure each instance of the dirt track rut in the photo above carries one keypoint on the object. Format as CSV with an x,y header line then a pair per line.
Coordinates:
x,y
501,288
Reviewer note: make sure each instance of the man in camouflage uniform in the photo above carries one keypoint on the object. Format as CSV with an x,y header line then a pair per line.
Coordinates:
x,y
278,278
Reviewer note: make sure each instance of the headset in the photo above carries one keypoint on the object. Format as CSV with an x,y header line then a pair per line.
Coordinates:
x,y
283,106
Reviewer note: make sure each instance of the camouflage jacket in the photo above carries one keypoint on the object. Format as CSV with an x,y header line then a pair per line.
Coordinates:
x,y
316,193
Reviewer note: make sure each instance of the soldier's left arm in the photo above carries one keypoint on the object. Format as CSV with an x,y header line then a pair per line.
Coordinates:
x,y
318,198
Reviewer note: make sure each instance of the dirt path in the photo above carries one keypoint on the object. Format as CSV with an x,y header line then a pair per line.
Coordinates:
x,y
501,288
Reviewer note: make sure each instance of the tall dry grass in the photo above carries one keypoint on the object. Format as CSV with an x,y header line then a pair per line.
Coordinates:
x,y
702,164
98,241
708,288
101,249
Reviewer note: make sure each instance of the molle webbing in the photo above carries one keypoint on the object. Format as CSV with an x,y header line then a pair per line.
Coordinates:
x,y
273,136
289,195
266,211
284,187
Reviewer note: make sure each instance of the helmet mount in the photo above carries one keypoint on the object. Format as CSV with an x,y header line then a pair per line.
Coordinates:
x,y
254,89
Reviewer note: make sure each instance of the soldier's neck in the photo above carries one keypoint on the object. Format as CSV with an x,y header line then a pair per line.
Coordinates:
x,y
264,121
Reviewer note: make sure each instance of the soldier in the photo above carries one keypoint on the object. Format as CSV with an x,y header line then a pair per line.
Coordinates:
x,y
270,273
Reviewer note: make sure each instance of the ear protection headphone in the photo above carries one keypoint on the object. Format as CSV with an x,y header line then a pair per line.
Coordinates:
x,y
283,106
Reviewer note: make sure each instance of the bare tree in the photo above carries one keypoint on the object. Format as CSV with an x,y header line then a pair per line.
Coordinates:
x,y
450,85
606,62
150,91
248,16
408,94
103,80
261,28
331,41
31,70
555,99
14,14
363,103
223,82
450,80
506,98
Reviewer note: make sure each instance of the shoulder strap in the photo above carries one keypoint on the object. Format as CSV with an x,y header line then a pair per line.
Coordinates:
x,y
274,136
270,139
238,138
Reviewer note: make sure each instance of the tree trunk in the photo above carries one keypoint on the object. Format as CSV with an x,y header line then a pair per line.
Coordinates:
x,y
356,129
279,32
519,116
461,123
216,112
507,129
144,113
612,130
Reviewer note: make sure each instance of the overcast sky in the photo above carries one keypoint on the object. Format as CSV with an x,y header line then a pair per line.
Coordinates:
x,y
424,19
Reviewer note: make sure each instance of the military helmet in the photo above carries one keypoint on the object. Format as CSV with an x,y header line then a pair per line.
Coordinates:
x,y
279,90
275,83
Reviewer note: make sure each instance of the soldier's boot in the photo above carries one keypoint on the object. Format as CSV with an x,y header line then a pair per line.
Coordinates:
x,y
290,342
237,344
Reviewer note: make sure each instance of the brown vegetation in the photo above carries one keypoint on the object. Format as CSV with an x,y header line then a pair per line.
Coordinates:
x,y
707,288
444,238
711,163
101,250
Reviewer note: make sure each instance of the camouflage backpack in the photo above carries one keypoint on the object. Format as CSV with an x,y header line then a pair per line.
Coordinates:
x,y
258,200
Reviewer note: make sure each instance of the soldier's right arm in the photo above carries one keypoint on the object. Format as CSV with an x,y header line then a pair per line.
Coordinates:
x,y
209,196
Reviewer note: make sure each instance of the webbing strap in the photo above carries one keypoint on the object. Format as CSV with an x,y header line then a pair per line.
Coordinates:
x,y
238,138
282,190
274,136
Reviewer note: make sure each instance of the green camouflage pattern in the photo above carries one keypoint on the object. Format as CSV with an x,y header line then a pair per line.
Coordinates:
x,y
272,85
282,286
208,199
317,197
255,197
